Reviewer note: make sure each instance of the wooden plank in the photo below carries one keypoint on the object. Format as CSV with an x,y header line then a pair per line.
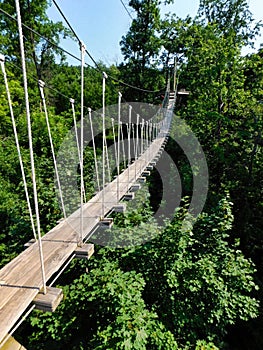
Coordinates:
x,y
149,167
135,188
48,302
146,173
106,223
29,243
12,344
141,179
20,280
129,196
85,251
119,208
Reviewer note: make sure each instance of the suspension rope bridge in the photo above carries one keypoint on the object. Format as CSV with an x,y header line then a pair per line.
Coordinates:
x,y
26,281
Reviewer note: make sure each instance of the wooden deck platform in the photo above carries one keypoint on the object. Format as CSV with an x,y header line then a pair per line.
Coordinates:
x,y
20,279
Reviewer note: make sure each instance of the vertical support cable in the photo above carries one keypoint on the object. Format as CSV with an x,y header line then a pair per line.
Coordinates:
x,y
23,60
133,139
123,146
104,77
2,62
128,168
147,139
147,133
82,50
114,140
129,142
151,139
137,142
142,136
137,137
158,129
107,160
175,70
94,149
72,102
118,148
41,89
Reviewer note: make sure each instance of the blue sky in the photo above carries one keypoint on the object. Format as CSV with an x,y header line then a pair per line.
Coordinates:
x,y
100,24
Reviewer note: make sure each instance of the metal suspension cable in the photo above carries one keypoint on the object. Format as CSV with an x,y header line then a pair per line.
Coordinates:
x,y
46,85
94,61
97,67
41,88
30,143
126,10
41,36
73,31
65,19
2,62
134,87
94,149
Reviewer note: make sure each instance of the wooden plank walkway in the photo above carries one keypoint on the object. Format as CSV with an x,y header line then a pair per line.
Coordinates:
x,y
20,279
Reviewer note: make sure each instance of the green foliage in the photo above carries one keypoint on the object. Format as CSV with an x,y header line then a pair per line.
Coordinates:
x,y
209,281
203,345
231,18
186,284
108,302
141,45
